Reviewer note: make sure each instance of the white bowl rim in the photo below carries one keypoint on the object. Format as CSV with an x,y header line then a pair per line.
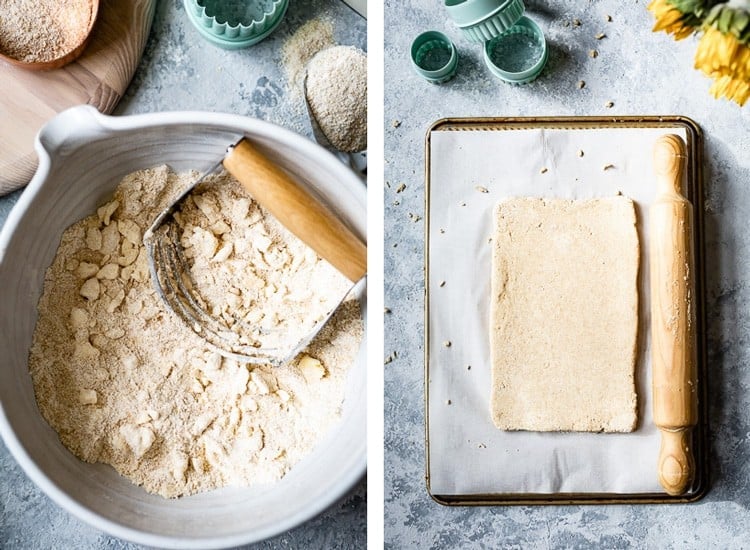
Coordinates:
x,y
60,128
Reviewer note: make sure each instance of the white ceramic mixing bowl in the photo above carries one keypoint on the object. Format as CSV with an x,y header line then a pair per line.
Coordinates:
x,y
82,157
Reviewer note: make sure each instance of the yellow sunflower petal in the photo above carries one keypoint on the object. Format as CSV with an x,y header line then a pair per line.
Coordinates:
x,y
730,88
669,19
717,50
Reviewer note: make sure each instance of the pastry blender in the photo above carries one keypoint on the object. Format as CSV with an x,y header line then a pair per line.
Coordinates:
x,y
293,206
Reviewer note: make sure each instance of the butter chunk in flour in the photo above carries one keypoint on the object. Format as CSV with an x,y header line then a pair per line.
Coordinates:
x,y
564,315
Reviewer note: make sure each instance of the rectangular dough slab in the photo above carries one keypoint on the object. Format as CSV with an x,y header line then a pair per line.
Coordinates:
x,y
564,315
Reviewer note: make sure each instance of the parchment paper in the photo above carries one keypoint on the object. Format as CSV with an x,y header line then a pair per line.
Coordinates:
x,y
467,453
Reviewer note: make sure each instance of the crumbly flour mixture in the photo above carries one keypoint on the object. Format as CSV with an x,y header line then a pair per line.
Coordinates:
x,y
36,31
337,92
124,382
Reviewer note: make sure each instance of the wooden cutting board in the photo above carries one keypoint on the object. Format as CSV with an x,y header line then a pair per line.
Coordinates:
x,y
99,77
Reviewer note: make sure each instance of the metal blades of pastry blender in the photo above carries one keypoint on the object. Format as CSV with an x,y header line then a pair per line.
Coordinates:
x,y
176,287
173,281
170,274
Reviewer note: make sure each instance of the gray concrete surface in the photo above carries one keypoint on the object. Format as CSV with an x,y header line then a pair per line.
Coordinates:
x,y
642,73
181,71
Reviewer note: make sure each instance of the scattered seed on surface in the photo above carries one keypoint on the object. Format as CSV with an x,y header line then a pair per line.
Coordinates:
x,y
543,171
600,36
608,166
576,22
580,152
447,343
481,189
609,19
442,284
481,446
442,231
609,104
400,188
388,359
463,203
396,123
593,53
449,402
386,310
581,84
388,184
468,367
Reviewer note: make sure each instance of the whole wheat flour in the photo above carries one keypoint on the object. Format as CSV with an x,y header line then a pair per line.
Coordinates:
x,y
337,92
123,382
564,315
36,31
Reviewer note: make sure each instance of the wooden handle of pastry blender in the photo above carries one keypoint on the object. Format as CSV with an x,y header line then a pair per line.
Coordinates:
x,y
297,210
673,317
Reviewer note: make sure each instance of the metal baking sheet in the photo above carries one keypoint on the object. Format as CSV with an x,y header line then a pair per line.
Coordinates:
x,y
468,460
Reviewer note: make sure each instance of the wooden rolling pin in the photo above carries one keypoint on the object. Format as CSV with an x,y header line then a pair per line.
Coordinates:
x,y
673,317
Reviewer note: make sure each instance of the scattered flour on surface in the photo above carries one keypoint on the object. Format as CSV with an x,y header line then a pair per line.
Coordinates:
x,y
299,49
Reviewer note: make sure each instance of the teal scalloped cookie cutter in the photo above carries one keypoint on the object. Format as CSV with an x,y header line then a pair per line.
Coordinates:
x,y
235,24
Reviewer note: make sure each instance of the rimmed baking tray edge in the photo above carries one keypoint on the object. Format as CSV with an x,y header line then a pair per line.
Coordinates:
x,y
694,193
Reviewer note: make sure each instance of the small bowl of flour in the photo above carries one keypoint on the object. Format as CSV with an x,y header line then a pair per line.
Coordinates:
x,y
336,91
45,34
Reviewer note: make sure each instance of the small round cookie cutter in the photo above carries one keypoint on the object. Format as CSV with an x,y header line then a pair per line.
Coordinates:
x,y
434,57
235,24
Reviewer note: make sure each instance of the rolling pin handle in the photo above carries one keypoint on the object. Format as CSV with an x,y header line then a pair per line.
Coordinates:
x,y
669,155
675,461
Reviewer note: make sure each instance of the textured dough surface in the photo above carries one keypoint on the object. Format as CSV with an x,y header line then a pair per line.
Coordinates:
x,y
564,315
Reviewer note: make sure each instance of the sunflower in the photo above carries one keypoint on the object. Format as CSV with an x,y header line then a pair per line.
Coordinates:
x,y
680,18
724,51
